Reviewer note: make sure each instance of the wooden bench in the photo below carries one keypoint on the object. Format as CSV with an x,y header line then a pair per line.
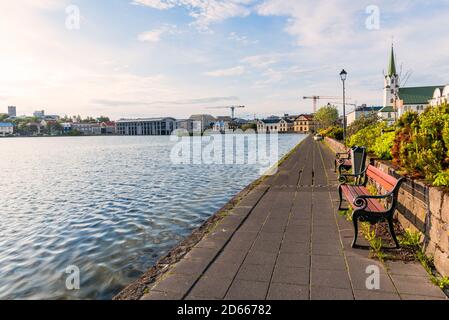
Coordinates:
x,y
342,159
366,206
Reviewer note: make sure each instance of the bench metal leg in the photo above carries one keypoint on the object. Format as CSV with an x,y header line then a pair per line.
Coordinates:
x,y
355,219
393,234
340,194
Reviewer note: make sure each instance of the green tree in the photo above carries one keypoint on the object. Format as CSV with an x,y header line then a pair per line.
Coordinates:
x,y
363,122
327,116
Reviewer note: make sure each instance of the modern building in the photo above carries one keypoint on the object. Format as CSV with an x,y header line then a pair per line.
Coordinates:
x,y
206,121
12,111
398,100
360,111
6,128
304,124
146,126
189,125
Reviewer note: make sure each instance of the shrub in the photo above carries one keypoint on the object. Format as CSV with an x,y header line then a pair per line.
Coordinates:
x,y
382,146
333,132
421,145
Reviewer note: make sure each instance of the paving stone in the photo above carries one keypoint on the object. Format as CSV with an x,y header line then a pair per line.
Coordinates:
x,y
247,290
267,246
202,253
418,297
158,295
331,279
211,287
260,257
328,263
328,249
296,248
291,275
293,260
222,270
375,295
231,256
177,283
329,293
255,272
270,236
412,285
191,266
282,291
410,269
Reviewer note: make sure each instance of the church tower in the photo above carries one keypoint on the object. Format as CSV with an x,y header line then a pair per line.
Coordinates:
x,y
391,87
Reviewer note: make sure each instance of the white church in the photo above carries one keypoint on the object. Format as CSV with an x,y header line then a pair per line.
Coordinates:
x,y
398,100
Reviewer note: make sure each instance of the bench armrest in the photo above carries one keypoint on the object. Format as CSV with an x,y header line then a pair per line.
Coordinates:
x,y
343,178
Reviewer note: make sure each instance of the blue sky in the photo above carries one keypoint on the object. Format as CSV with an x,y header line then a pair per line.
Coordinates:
x,y
136,58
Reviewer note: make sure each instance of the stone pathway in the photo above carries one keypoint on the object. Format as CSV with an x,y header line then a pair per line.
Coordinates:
x,y
285,240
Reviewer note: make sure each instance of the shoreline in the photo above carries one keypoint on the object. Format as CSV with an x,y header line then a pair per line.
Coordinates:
x,y
136,289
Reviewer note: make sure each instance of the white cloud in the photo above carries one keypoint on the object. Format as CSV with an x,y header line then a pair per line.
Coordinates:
x,y
204,12
236,71
156,34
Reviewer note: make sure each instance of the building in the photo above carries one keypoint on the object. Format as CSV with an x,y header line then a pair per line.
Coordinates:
x,y
286,125
223,124
189,125
206,121
108,127
146,126
398,100
6,128
304,124
12,111
360,111
84,128
268,125
440,95
39,114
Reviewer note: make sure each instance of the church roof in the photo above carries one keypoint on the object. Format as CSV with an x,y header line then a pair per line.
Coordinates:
x,y
417,95
392,64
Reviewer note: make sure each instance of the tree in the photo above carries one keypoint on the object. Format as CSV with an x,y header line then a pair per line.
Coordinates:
x,y
103,119
363,122
327,116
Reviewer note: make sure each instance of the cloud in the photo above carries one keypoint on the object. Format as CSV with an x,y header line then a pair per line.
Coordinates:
x,y
204,12
156,34
236,71
114,103
241,39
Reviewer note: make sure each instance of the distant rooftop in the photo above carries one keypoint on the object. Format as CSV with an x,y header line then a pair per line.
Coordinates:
x,y
6,124
146,119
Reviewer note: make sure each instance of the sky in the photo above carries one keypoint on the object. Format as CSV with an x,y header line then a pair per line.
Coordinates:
x,y
149,58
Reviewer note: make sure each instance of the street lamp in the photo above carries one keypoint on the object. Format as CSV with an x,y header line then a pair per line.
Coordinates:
x,y
343,75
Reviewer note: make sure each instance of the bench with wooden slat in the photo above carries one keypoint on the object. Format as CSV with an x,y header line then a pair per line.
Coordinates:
x,y
368,207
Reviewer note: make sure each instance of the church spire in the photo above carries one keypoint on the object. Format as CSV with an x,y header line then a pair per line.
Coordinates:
x,y
392,64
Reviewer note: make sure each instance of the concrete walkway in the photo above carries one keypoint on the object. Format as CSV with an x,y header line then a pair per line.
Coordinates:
x,y
285,240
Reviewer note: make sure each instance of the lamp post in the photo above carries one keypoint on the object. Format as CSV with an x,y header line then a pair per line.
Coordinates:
x,y
343,75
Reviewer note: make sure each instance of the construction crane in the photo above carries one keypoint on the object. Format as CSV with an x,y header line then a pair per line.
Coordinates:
x,y
316,98
229,107
346,103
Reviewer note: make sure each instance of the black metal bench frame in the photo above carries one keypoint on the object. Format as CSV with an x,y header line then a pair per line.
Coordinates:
x,y
360,202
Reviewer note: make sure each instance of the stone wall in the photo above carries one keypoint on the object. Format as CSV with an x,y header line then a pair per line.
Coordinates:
x,y
421,208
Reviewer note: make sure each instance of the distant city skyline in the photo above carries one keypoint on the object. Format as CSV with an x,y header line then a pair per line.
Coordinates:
x,y
146,58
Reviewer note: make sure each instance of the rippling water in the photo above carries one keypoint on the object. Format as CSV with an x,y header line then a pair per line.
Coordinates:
x,y
109,205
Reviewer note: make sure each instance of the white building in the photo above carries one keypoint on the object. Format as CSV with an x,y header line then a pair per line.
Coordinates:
x,y
440,95
39,114
6,128
360,111
146,126
206,121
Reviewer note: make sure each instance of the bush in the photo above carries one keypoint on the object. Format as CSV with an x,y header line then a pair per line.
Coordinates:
x,y
382,146
421,145
333,132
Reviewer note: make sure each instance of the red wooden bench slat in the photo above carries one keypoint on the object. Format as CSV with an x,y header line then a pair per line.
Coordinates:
x,y
351,192
388,182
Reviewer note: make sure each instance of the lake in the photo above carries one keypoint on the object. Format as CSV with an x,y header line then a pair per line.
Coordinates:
x,y
110,206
